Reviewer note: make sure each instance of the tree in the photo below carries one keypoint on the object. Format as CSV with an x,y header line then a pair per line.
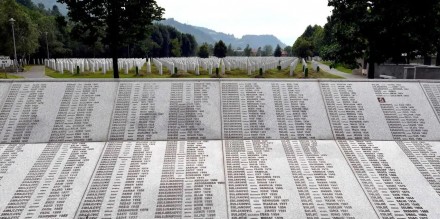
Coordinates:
x,y
204,51
220,49
26,3
230,51
268,50
288,50
26,32
122,20
278,51
189,45
259,52
301,48
247,51
175,48
382,30
313,38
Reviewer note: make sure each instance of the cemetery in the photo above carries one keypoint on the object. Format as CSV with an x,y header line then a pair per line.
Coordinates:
x,y
241,67
185,121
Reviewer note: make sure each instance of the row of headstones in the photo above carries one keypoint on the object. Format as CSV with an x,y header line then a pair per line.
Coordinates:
x,y
305,68
93,65
315,66
253,64
6,63
249,64
293,66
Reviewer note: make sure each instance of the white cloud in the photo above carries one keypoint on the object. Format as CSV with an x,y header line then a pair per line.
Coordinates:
x,y
285,19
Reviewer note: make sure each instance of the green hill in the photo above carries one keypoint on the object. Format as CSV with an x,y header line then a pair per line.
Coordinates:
x,y
203,34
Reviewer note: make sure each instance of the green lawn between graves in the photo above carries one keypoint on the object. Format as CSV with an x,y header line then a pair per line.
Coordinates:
x,y
339,67
9,76
234,73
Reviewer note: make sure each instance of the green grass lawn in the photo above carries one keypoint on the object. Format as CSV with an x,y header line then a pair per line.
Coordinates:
x,y
344,69
339,67
234,73
326,62
9,76
27,68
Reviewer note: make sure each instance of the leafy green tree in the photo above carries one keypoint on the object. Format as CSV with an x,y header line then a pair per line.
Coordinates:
x,y
288,50
259,52
26,32
204,51
278,51
382,30
121,20
302,48
313,37
176,50
230,51
247,51
26,3
268,50
220,49
189,45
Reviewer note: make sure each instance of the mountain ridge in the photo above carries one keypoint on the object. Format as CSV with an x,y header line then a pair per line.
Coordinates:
x,y
203,34
51,3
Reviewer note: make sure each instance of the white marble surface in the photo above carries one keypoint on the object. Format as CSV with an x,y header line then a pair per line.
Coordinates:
x,y
379,111
273,110
220,179
57,112
4,88
291,179
407,111
157,179
432,91
45,180
255,149
392,182
166,111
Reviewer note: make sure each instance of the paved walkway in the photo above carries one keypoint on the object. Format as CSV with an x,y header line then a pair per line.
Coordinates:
x,y
35,72
339,73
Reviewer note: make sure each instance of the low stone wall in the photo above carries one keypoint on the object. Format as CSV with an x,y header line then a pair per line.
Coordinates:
x,y
403,71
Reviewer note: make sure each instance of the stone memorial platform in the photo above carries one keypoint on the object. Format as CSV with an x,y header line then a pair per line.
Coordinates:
x,y
219,149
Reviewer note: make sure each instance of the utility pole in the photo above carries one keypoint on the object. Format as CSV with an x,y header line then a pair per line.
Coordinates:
x,y
15,48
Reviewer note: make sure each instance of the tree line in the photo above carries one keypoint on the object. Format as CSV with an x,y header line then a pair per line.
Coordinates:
x,y
66,39
378,31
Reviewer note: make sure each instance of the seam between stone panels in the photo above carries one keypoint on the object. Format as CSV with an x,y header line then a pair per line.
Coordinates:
x,y
222,142
78,209
113,110
430,102
357,179
326,109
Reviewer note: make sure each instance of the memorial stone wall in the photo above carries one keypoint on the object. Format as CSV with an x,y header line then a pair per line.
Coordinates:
x,y
219,149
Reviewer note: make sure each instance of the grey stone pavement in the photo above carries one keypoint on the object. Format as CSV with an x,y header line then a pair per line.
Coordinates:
x,y
339,73
36,71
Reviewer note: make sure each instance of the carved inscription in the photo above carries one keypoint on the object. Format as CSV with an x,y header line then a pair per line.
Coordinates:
x,y
290,179
157,180
48,180
389,195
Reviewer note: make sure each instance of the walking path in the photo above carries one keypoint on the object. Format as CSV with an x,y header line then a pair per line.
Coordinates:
x,y
339,73
35,72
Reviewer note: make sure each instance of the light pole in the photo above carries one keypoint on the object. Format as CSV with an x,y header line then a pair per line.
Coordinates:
x,y
47,46
15,49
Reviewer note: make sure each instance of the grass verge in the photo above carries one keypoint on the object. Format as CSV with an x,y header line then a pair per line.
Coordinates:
x,y
9,76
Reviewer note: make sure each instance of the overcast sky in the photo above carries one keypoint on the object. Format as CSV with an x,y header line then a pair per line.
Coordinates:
x,y
286,19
